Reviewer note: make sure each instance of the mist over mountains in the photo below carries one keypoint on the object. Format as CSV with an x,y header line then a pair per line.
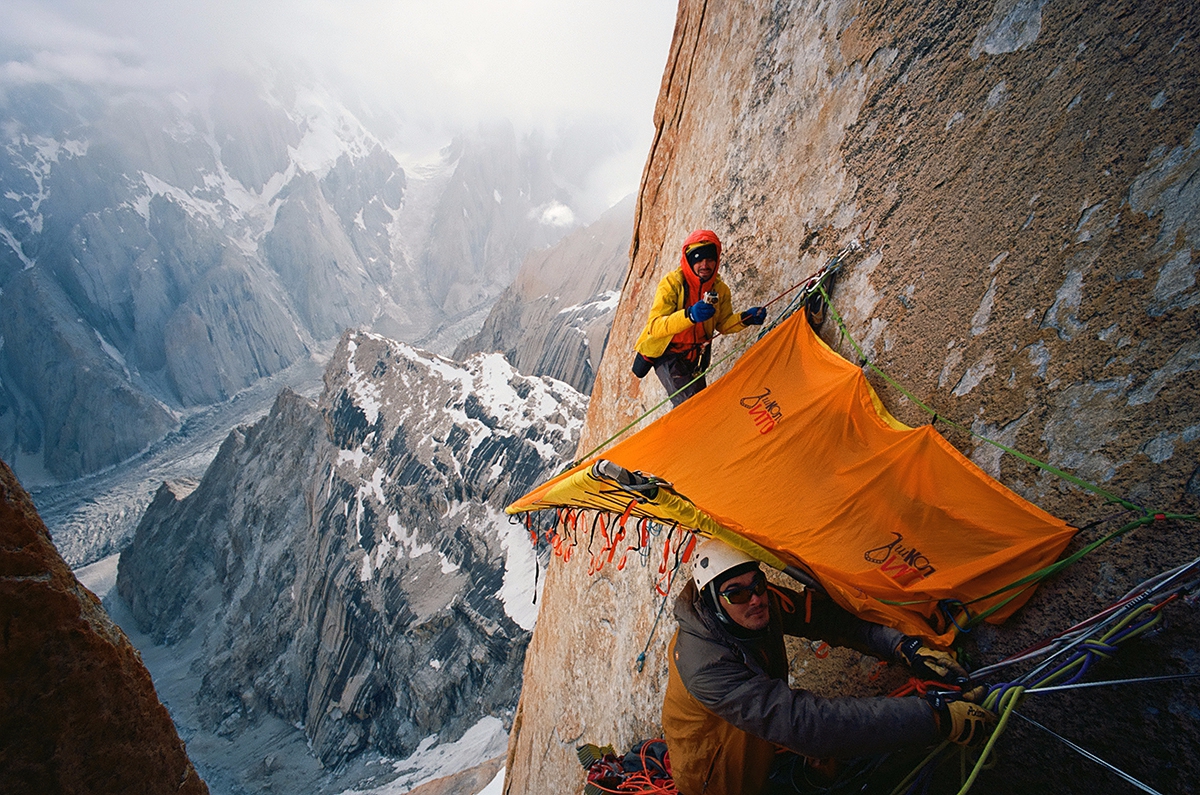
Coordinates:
x,y
554,318
162,252
337,599
339,589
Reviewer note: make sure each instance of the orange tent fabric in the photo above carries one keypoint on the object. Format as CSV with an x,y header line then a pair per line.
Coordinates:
x,y
793,450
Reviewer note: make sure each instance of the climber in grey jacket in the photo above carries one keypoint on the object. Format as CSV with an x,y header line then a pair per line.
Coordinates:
x,y
728,707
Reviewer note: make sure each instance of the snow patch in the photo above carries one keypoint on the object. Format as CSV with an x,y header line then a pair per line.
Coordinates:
x,y
495,786
483,741
519,593
553,213
604,302
15,245
374,486
355,457
406,539
364,392
36,156
191,205
330,131
112,352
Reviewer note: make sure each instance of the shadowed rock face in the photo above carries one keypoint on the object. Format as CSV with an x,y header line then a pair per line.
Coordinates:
x,y
346,566
78,712
1023,178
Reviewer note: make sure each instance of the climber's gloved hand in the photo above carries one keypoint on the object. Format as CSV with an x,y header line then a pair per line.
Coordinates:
x,y
754,316
930,663
700,311
965,723
940,666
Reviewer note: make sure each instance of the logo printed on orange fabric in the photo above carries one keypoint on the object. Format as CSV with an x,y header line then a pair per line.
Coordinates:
x,y
903,564
764,411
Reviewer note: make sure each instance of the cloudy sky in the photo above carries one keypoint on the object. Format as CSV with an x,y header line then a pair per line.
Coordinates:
x,y
441,64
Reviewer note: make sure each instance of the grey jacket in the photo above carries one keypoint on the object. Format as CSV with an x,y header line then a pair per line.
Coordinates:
x,y
744,681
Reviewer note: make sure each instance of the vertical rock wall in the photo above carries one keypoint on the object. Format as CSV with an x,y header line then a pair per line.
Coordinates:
x,y
78,712
1023,176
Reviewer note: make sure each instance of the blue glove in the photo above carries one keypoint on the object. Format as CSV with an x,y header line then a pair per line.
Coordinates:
x,y
754,316
701,311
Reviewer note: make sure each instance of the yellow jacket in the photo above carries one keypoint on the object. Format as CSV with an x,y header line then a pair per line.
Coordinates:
x,y
668,315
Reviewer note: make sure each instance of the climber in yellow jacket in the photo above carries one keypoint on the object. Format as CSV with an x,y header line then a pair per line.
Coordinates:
x,y
690,305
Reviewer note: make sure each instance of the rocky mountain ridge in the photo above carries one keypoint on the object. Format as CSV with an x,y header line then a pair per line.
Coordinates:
x,y
554,318
346,567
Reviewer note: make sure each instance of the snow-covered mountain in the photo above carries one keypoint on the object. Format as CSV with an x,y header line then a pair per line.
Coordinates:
x,y
346,567
163,252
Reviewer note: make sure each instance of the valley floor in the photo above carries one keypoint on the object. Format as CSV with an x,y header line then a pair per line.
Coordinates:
x,y
273,755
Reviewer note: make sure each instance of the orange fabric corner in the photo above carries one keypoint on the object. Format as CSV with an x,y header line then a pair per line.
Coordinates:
x,y
793,450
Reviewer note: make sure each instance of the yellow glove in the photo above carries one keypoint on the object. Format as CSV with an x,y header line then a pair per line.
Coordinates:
x,y
966,724
940,666
930,663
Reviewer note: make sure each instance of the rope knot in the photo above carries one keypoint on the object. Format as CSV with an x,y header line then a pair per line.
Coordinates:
x,y
1100,649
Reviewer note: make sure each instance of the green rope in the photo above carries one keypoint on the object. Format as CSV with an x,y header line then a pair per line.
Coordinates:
x,y
1004,702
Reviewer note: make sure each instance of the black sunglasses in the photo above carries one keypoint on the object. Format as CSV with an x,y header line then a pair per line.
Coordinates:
x,y
742,594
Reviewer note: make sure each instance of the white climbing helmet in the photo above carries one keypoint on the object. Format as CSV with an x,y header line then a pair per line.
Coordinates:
x,y
713,558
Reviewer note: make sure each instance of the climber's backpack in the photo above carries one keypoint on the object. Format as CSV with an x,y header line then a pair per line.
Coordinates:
x,y
645,769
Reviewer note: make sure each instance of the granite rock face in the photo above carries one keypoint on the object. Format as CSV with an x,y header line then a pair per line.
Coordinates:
x,y
554,318
1022,176
78,712
346,565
